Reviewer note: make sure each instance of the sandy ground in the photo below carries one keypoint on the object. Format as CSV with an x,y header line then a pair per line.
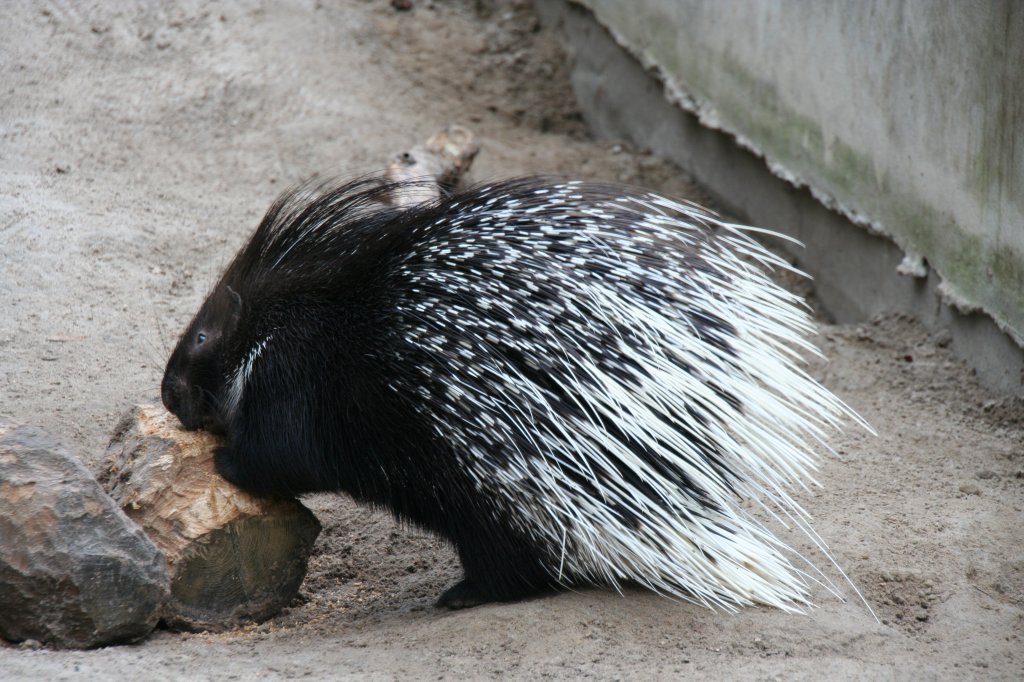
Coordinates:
x,y
140,144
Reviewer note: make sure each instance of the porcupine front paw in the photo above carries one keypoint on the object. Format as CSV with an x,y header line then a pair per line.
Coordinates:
x,y
227,466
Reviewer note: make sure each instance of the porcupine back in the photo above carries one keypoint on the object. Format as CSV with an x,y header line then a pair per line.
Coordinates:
x,y
610,372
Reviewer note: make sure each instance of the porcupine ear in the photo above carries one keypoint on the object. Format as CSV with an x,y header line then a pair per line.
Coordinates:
x,y
236,301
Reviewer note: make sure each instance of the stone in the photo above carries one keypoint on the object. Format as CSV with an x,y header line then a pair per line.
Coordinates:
x,y
75,571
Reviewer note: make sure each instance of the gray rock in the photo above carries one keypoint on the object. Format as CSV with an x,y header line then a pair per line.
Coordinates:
x,y
75,571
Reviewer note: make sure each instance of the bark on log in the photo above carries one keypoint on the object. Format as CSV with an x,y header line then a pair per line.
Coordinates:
x,y
74,570
233,558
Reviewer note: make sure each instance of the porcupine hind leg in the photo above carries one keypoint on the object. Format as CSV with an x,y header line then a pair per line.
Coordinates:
x,y
498,568
462,595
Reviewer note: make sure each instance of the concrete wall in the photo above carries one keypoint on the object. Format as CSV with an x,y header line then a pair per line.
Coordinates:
x,y
907,118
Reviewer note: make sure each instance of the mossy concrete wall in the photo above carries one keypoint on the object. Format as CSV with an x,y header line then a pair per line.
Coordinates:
x,y
907,118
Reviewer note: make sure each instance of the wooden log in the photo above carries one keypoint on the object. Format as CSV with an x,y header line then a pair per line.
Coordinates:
x,y
74,570
440,164
233,558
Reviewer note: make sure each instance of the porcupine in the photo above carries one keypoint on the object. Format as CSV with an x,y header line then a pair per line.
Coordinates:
x,y
572,383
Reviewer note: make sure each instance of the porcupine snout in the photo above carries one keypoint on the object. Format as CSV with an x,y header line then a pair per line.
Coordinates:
x,y
186,403
173,392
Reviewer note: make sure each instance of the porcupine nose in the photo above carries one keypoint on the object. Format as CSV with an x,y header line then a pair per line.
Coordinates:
x,y
171,398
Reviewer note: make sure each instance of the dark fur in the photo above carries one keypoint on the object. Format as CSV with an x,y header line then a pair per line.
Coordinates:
x,y
317,414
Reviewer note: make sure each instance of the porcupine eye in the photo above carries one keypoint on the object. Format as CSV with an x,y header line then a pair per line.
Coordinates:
x,y
200,338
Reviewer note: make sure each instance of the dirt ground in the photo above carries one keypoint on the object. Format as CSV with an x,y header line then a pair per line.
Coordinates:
x,y
140,144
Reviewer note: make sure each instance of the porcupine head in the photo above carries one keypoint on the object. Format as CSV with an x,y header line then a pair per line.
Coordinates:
x,y
194,383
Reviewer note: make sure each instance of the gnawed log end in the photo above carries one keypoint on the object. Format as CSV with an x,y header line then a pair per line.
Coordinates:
x,y
233,558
